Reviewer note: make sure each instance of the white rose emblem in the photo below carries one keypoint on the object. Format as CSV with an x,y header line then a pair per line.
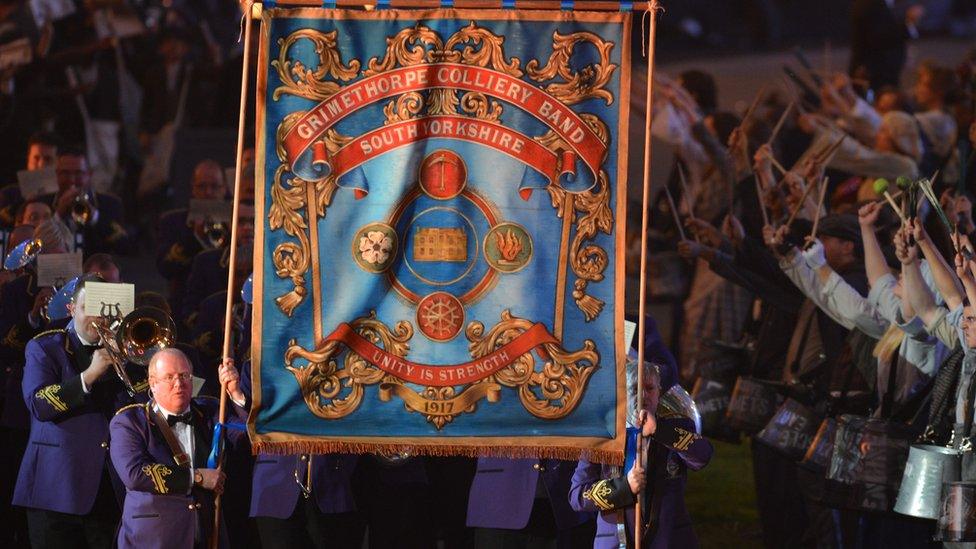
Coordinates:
x,y
375,247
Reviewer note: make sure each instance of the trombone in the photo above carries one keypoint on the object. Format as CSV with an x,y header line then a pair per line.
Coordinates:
x,y
134,338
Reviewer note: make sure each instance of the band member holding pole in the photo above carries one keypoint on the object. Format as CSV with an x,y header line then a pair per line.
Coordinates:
x,y
657,475
160,449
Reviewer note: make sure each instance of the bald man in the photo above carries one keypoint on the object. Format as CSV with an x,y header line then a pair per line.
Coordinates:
x,y
179,241
160,449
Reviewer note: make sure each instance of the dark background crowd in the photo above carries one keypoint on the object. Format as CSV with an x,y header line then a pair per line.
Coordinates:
x,y
134,105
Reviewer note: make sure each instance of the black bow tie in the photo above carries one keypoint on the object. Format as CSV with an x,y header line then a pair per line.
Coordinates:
x,y
186,418
90,349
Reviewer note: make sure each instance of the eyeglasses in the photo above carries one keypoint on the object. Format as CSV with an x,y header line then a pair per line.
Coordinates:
x,y
182,378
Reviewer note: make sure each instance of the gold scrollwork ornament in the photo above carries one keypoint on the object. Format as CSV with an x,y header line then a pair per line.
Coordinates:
x,y
331,392
555,390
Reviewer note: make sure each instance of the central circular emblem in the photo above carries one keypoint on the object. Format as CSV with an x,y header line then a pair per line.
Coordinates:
x,y
440,316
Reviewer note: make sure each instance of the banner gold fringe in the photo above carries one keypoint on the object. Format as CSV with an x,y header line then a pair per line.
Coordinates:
x,y
512,452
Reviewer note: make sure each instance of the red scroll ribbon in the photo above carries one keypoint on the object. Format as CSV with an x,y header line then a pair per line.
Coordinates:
x,y
549,110
447,375
386,138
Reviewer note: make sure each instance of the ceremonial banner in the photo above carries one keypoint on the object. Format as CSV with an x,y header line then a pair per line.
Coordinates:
x,y
440,238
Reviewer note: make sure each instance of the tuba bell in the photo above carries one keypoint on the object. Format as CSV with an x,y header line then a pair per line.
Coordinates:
x,y
57,306
676,402
135,338
23,254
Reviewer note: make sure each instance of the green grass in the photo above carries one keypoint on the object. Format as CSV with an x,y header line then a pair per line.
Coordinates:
x,y
722,499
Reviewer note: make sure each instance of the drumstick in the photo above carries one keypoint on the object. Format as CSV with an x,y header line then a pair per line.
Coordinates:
x,y
684,191
823,194
780,122
777,165
829,151
799,206
755,104
881,187
684,196
762,204
674,212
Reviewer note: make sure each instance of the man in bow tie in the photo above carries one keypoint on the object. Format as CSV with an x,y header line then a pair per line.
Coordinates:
x,y
160,451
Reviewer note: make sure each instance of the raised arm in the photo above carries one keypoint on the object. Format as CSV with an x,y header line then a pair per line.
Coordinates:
x,y
874,260
946,281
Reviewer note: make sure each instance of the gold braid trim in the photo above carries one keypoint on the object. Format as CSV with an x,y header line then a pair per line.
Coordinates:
x,y
50,394
49,332
156,472
685,439
127,407
598,494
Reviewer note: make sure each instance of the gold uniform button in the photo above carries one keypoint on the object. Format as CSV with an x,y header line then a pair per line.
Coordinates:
x,y
198,505
538,467
304,458
190,506
104,445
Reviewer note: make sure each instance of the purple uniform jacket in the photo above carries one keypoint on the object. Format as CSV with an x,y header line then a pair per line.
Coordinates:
x,y
275,492
603,489
69,435
176,247
208,275
504,490
161,508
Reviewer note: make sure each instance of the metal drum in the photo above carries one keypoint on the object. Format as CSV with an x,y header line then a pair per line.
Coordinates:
x,y
840,477
957,519
712,398
927,469
883,453
751,406
791,429
817,457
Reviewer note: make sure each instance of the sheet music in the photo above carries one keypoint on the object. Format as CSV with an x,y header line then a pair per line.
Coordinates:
x,y
630,328
56,269
108,299
34,183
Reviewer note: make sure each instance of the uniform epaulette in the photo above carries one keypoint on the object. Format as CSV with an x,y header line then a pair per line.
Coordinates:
x,y
128,407
49,332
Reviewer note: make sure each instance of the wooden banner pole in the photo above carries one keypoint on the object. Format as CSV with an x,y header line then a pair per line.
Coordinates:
x,y
232,262
652,8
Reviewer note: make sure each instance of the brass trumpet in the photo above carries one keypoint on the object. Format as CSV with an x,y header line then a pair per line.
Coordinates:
x,y
82,210
134,338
